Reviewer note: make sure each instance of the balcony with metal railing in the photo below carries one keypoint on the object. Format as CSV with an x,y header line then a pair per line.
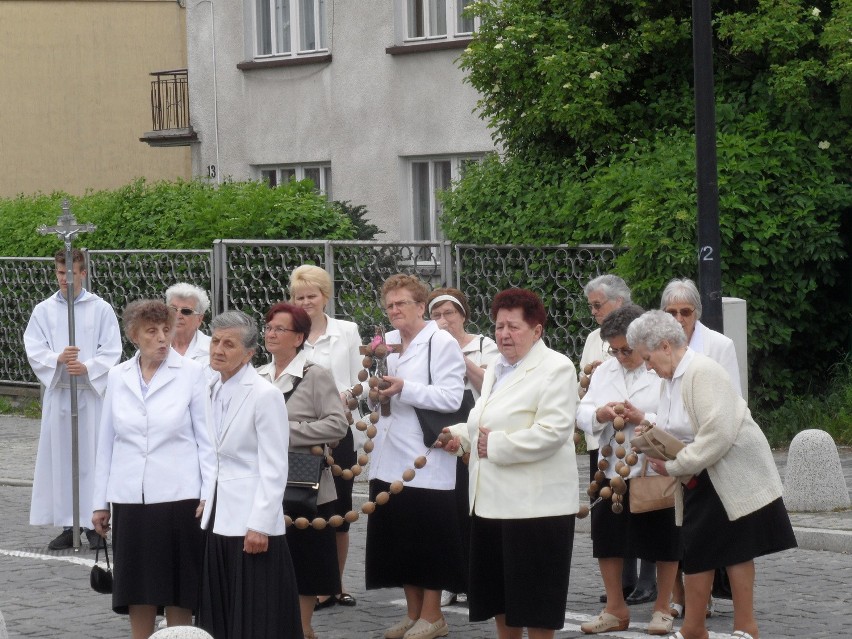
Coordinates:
x,y
170,110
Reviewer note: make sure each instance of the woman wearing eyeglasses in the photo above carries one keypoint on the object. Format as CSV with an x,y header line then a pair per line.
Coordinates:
x,y
730,508
652,536
414,541
316,417
190,303
682,301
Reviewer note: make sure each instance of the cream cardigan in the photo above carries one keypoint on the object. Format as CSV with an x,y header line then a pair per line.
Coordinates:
x,y
728,443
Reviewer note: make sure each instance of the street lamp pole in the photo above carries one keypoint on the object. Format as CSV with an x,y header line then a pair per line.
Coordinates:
x,y
709,240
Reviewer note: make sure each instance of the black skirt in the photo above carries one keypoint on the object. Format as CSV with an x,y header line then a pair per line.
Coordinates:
x,y
345,457
158,552
652,536
521,568
414,540
462,492
247,595
711,540
314,554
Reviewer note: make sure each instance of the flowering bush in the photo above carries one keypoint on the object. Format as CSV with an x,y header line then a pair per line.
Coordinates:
x,y
592,103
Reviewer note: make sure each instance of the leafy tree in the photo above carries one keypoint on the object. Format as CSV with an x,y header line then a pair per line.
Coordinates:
x,y
592,104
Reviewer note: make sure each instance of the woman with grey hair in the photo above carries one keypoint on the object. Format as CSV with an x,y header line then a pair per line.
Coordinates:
x,y
155,465
730,506
190,303
606,293
681,300
249,586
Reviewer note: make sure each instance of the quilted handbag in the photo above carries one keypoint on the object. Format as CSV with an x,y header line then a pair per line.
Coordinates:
x,y
303,480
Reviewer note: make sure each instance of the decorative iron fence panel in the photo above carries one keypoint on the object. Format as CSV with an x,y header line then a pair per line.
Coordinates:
x,y
251,275
120,277
24,282
556,273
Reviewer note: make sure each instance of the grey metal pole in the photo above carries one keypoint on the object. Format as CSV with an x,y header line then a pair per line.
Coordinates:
x,y
66,228
709,240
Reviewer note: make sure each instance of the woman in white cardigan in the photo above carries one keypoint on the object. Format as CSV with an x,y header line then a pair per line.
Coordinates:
x,y
333,344
523,484
730,508
155,462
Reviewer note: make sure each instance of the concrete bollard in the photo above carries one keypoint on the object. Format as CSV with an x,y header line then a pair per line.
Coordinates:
x,y
813,481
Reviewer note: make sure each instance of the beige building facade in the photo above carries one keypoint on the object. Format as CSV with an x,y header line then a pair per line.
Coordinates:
x,y
75,93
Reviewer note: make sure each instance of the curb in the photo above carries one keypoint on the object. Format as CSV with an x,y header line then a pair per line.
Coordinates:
x,y
839,541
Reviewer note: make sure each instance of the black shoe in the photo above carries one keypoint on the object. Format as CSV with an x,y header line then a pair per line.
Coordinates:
x,y
63,540
641,595
328,603
345,599
95,540
625,591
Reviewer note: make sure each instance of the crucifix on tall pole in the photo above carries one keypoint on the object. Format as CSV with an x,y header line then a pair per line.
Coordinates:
x,y
66,229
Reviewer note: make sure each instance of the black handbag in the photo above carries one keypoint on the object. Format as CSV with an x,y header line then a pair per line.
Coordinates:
x,y
303,476
433,422
100,579
303,480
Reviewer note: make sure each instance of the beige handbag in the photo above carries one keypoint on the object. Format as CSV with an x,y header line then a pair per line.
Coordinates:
x,y
657,443
651,493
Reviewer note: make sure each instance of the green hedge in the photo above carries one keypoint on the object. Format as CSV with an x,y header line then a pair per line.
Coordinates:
x,y
177,215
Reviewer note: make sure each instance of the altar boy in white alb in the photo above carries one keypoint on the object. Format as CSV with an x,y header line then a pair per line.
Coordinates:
x,y
97,349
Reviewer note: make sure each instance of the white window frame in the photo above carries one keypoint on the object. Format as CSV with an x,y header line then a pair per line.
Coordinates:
x,y
281,174
295,20
430,13
416,224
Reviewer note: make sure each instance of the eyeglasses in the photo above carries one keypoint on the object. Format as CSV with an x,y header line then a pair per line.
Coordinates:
x,y
401,304
683,312
596,306
615,352
184,311
444,315
278,330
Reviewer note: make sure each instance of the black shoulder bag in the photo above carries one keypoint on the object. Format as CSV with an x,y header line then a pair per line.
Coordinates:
x,y
303,475
433,422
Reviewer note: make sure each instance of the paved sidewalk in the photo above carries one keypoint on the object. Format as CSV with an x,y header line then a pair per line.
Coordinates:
x,y
799,593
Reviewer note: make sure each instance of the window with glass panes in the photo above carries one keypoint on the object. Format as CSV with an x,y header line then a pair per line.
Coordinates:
x,y
432,19
319,174
287,27
430,176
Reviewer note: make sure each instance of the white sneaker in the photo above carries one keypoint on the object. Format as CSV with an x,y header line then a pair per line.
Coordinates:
x,y
163,624
447,598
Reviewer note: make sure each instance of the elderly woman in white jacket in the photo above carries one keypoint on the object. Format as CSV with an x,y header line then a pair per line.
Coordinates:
x,y
653,536
155,462
730,507
523,476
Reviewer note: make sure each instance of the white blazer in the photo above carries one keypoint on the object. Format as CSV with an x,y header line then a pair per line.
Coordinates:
x,y
608,385
531,468
594,350
157,448
251,472
338,351
720,348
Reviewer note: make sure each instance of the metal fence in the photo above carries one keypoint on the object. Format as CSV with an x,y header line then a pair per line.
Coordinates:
x,y
251,275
